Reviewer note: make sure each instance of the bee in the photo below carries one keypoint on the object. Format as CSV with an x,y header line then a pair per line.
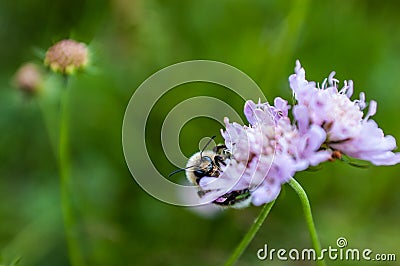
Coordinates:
x,y
209,163
206,163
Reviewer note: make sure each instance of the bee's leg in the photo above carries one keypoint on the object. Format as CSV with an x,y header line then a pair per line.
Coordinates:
x,y
219,160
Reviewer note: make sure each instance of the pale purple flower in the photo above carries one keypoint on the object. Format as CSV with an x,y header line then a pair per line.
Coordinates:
x,y
265,154
253,157
302,144
347,129
271,149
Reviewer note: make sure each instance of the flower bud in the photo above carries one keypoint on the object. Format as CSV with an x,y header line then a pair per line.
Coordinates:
x,y
67,56
28,78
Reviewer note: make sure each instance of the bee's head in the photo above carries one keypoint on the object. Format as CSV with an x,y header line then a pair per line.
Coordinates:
x,y
201,164
205,166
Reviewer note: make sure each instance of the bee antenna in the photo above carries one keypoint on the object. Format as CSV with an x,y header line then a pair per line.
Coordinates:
x,y
180,170
205,146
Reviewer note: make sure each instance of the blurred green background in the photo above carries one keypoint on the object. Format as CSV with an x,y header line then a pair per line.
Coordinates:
x,y
118,223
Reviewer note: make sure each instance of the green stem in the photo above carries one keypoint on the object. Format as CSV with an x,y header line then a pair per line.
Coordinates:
x,y
309,219
70,223
250,234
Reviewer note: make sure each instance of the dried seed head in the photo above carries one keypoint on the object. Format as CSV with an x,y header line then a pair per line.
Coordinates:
x,y
67,56
28,78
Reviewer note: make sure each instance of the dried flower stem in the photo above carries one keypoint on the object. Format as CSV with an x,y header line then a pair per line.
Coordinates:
x,y
250,234
309,219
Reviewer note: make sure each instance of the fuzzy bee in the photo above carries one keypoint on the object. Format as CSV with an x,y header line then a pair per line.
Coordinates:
x,y
209,163
206,163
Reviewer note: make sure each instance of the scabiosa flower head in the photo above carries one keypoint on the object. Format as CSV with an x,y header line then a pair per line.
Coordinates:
x,y
252,155
28,78
302,144
265,154
347,128
67,56
271,149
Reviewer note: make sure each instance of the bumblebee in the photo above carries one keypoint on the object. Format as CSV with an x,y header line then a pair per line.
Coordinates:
x,y
206,163
209,163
